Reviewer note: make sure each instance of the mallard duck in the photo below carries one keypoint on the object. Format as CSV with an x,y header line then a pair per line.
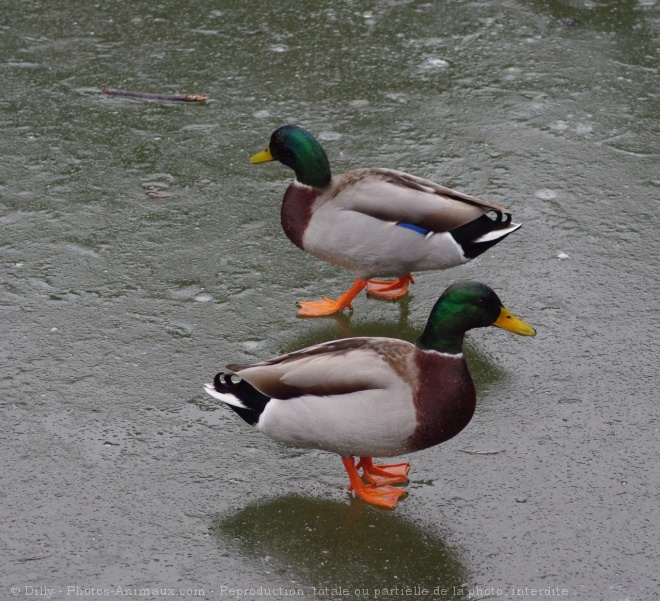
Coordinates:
x,y
371,397
376,222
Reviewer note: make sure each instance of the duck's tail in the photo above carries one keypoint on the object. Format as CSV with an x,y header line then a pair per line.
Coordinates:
x,y
479,235
242,397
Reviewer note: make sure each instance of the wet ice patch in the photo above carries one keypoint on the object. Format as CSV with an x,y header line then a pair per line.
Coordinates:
x,y
399,97
203,298
572,127
512,73
583,128
179,329
186,292
546,194
252,345
433,63
559,125
157,186
329,136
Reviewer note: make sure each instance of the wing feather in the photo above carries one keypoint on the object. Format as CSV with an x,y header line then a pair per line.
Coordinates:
x,y
396,196
333,368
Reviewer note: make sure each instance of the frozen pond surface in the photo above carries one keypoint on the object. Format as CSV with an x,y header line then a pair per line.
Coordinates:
x,y
141,252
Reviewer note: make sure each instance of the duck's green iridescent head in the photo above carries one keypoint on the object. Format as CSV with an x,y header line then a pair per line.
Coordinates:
x,y
463,306
295,147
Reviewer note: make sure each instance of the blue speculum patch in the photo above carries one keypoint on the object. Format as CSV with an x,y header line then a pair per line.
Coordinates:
x,y
414,228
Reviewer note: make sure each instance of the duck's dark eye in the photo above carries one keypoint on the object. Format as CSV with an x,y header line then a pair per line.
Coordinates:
x,y
284,154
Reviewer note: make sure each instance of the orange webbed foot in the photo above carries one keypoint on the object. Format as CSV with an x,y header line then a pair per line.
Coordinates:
x,y
385,496
327,306
320,307
390,289
382,475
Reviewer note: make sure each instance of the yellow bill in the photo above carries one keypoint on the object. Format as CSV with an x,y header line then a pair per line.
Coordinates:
x,y
508,321
262,157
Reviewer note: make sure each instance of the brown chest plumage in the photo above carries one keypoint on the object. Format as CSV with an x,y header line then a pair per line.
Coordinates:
x,y
444,401
297,211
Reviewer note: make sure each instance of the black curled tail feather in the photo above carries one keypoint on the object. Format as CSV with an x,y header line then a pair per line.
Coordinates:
x,y
253,401
468,234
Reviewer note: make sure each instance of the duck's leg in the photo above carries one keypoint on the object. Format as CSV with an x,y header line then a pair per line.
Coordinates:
x,y
327,306
380,475
385,496
390,289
